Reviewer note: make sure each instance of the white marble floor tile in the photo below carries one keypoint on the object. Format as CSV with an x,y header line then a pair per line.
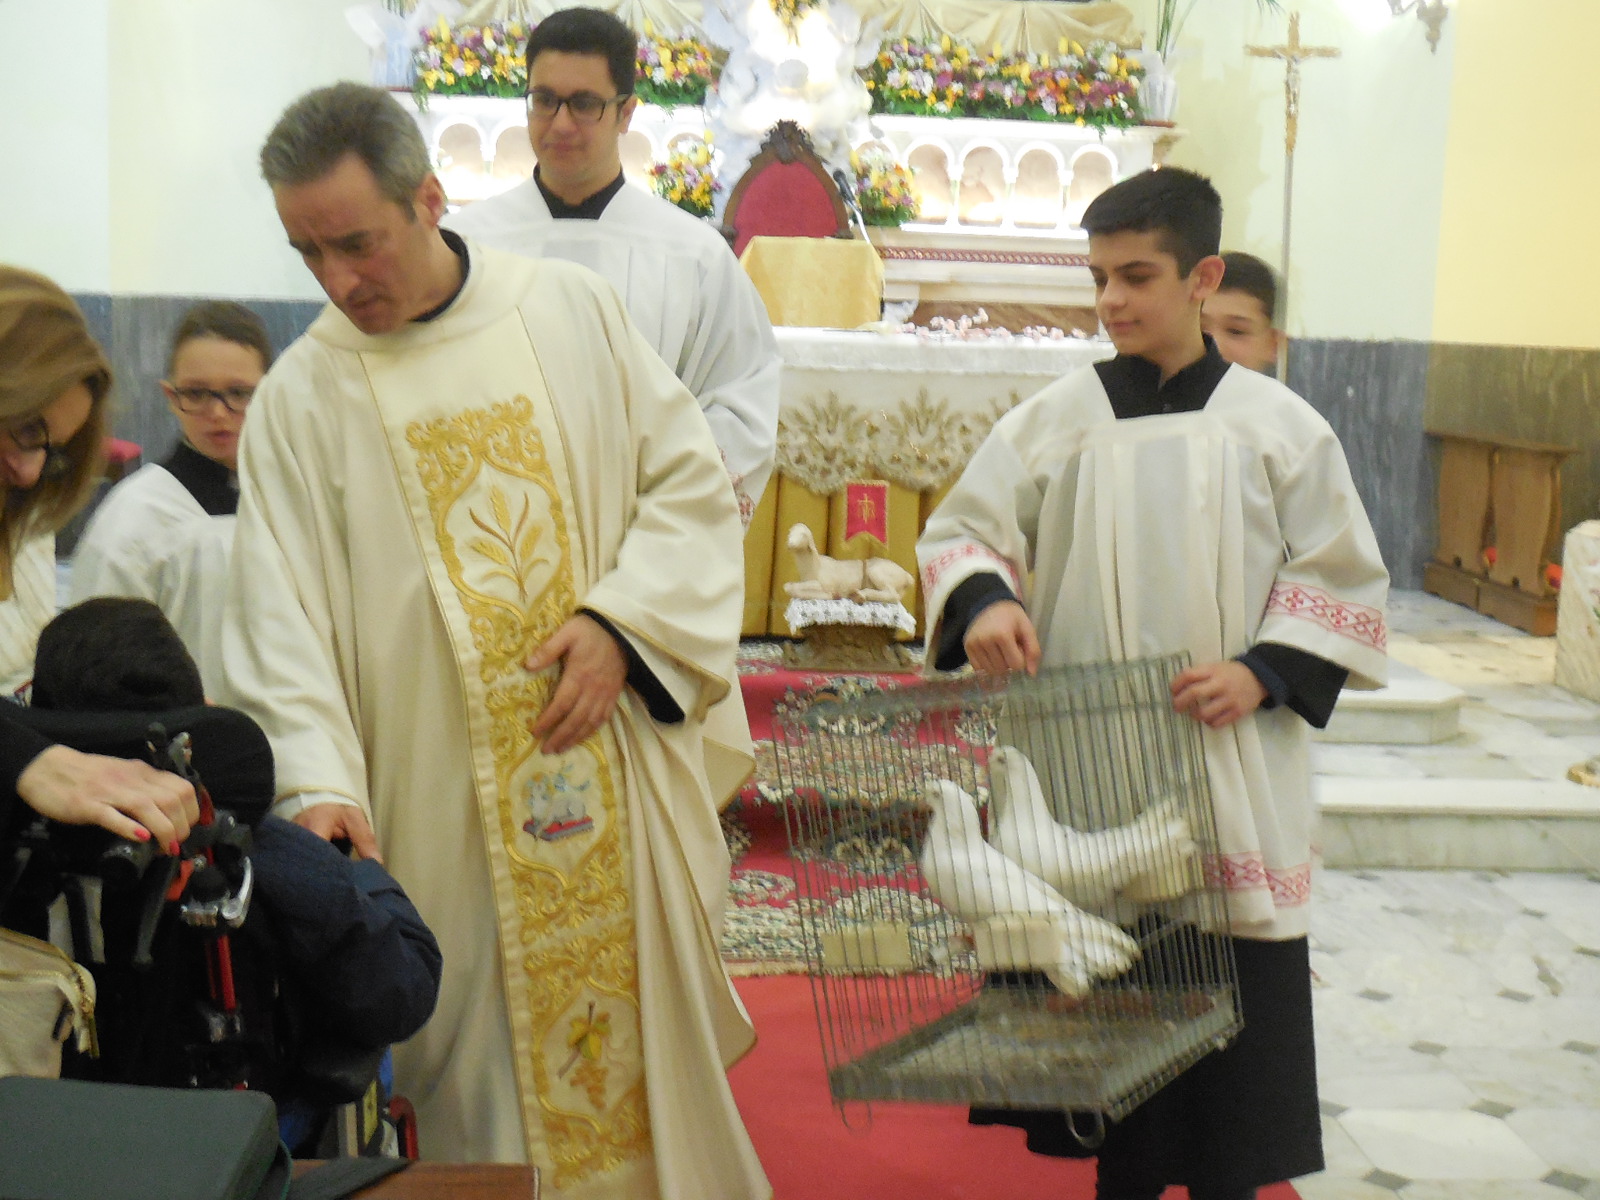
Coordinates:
x,y
1339,1151
1441,1145
1483,1189
1334,1187
1438,1090
1528,1078
1566,1138
1570,903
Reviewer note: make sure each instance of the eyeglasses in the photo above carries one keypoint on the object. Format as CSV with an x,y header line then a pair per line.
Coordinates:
x,y
586,108
33,437
196,399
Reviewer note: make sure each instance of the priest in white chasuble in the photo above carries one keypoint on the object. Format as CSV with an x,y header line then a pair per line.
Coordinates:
x,y
486,600
682,285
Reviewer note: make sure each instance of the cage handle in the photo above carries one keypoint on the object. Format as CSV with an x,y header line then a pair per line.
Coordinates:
x,y
1095,1137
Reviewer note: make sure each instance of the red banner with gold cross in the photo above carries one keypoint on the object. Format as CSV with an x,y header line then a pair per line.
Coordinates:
x,y
867,509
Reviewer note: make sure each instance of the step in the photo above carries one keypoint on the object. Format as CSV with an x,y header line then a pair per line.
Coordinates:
x,y
1472,824
1414,710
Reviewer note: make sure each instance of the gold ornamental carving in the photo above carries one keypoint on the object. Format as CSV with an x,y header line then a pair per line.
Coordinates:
x,y
922,445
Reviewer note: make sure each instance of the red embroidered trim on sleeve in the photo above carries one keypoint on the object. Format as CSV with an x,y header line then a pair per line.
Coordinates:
x,y
943,562
1354,621
1290,886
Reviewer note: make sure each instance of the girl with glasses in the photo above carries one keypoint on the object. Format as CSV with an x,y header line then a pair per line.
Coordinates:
x,y
165,533
54,380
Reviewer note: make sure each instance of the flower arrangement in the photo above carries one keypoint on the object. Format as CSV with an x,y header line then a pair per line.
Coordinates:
x,y
1096,85
920,80
673,70
883,187
472,60
687,178
488,60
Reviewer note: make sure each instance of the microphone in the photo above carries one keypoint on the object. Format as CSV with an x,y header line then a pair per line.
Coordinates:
x,y
847,192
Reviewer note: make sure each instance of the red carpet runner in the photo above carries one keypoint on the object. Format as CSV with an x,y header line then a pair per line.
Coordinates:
x,y
900,1151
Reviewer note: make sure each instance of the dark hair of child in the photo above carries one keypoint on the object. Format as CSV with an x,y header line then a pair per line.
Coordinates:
x,y
1248,274
114,654
1182,208
226,320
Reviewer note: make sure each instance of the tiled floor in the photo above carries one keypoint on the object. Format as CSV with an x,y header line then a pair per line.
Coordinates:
x,y
1458,1013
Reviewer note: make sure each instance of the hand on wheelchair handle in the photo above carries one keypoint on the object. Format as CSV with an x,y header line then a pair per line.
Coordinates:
x,y
130,798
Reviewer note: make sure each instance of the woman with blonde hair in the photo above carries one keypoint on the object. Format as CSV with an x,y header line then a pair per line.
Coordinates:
x,y
54,383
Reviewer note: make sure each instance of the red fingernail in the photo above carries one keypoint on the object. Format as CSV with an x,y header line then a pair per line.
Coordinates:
x,y
173,848
142,834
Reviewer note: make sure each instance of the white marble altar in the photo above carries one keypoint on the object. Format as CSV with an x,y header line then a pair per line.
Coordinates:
x,y
1578,612
901,407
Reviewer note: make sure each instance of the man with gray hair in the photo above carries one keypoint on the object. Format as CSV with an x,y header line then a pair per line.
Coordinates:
x,y
484,605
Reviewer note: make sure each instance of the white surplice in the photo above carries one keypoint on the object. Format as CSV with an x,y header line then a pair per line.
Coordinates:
x,y
28,609
418,512
1205,532
686,293
151,539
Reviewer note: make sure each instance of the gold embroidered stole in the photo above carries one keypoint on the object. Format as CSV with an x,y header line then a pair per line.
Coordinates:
x,y
485,479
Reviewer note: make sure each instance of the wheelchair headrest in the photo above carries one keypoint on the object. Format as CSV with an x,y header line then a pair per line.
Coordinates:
x,y
231,754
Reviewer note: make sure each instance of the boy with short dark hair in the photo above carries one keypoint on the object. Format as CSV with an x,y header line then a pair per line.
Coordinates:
x,y
1166,501
1242,315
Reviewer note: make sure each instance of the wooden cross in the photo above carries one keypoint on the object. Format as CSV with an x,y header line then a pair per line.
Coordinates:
x,y
1292,54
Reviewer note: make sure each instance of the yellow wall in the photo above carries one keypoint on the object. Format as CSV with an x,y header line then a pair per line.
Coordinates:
x,y
1519,239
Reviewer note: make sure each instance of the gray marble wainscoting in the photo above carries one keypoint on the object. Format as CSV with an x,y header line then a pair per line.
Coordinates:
x,y
137,332
1373,393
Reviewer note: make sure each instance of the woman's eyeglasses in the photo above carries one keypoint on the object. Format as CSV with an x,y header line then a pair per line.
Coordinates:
x,y
197,399
33,437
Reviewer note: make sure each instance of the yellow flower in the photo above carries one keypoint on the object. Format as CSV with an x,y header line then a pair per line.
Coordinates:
x,y
443,29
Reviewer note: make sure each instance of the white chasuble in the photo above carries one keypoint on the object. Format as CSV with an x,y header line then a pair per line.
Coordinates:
x,y
1204,532
440,501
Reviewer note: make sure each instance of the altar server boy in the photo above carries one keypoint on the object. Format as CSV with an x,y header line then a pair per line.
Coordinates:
x,y
1168,501
1242,314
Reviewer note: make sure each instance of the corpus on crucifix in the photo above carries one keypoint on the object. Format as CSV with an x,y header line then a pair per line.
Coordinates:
x,y
1291,54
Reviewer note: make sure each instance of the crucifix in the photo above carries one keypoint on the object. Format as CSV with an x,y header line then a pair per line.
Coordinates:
x,y
1292,55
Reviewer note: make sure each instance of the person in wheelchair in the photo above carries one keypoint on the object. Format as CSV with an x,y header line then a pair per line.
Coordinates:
x,y
331,944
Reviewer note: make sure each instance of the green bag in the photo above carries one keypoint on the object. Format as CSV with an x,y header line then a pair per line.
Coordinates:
x,y
64,1139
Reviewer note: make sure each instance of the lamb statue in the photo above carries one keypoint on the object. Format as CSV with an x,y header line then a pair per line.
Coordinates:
x,y
865,580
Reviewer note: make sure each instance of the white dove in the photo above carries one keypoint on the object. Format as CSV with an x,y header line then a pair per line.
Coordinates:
x,y
1148,859
1019,920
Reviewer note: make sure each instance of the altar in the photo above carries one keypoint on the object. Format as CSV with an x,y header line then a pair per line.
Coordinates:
x,y
897,407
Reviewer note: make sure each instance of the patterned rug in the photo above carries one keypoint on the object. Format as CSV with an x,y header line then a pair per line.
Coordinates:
x,y
765,931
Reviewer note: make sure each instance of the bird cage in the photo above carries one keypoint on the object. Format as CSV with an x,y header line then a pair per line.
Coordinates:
x,y
1006,902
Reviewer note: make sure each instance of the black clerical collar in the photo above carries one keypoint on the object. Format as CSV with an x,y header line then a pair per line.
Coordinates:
x,y
587,209
1135,389
459,245
214,486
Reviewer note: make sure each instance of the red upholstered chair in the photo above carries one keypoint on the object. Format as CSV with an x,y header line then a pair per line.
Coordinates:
x,y
785,192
